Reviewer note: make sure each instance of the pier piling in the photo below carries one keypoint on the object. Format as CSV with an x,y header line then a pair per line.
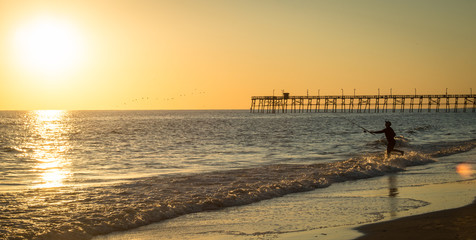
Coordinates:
x,y
362,103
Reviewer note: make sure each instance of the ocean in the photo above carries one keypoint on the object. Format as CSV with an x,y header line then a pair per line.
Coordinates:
x,y
79,174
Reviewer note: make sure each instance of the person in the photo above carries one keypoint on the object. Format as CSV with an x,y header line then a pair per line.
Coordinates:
x,y
390,135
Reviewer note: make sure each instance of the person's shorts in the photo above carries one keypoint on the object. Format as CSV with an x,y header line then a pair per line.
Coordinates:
x,y
391,145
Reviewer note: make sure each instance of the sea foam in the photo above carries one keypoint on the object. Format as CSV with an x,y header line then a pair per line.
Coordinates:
x,y
83,212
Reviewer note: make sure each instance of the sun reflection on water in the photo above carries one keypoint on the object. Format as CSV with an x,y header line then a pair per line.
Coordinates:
x,y
50,144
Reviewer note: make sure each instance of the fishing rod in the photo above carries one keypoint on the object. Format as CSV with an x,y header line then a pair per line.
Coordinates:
x,y
359,126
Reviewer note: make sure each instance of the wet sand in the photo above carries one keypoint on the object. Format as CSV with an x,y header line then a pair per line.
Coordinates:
x,y
259,221
342,211
459,223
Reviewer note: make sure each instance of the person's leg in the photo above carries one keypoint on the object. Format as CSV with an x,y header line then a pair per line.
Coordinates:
x,y
389,150
400,151
390,146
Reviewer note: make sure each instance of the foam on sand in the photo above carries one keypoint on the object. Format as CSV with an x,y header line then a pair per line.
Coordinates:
x,y
86,212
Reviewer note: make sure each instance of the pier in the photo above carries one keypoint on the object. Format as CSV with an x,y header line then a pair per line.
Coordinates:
x,y
363,103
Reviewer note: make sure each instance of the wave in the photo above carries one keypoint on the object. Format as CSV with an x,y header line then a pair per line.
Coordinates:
x,y
453,148
81,213
422,128
12,150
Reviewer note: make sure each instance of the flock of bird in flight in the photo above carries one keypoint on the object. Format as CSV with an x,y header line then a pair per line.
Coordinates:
x,y
148,100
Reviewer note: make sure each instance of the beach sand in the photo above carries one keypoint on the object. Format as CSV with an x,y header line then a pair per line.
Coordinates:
x,y
455,224
341,211
447,200
292,217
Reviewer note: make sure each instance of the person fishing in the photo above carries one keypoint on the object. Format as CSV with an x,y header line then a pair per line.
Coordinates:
x,y
390,135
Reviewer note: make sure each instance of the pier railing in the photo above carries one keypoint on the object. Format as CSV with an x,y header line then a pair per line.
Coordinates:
x,y
363,103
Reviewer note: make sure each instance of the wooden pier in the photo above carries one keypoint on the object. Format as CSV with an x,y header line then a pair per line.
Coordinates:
x,y
363,103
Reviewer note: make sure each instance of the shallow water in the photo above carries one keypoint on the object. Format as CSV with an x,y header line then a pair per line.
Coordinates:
x,y
327,213
83,173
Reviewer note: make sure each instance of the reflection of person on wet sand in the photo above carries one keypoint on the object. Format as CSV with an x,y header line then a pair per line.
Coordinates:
x,y
392,193
390,135
392,185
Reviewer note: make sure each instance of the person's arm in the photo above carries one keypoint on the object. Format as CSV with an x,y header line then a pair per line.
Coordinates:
x,y
381,131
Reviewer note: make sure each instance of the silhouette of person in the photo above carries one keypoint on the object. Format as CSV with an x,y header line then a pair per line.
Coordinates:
x,y
390,135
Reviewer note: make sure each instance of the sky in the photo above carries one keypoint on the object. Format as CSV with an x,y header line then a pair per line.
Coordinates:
x,y
216,54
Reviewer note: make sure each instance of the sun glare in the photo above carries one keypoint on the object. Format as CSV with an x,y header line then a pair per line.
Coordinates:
x,y
465,170
52,164
47,45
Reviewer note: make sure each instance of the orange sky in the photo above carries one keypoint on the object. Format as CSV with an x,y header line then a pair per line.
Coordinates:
x,y
217,54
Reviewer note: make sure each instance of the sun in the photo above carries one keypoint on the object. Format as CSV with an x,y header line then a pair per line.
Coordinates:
x,y
47,45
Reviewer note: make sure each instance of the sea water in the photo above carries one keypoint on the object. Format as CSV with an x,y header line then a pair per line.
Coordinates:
x,y
78,174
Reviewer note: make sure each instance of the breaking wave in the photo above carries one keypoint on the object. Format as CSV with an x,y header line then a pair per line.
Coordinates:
x,y
81,213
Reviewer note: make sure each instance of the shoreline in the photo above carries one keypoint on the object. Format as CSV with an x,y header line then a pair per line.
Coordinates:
x,y
442,198
296,216
451,199
458,223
